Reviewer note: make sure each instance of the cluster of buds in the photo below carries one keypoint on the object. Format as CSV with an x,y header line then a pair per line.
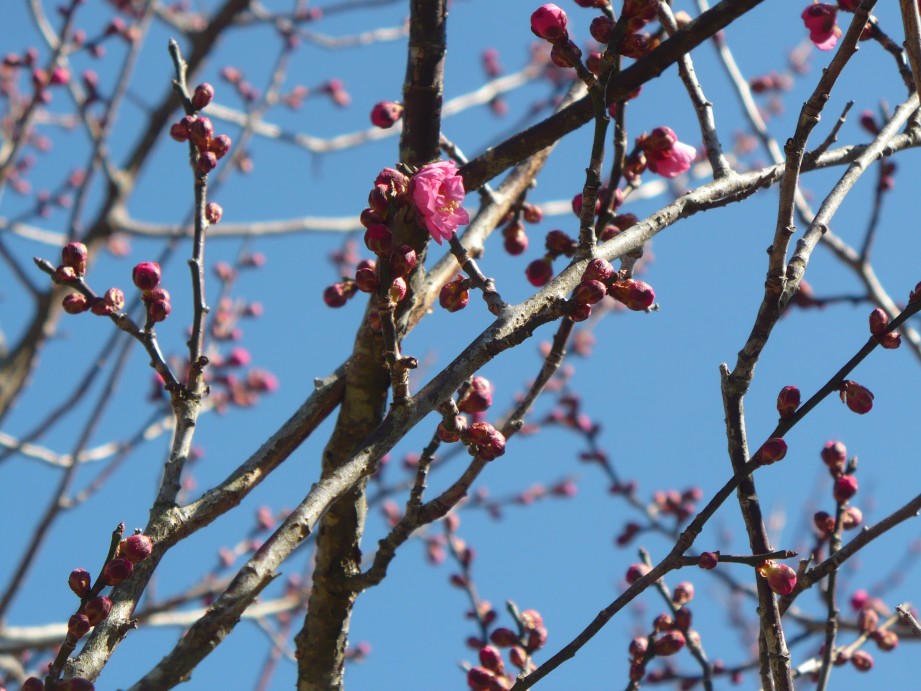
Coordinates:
x,y
209,147
682,505
780,578
73,269
231,387
635,43
385,114
869,612
600,279
245,90
879,327
669,634
490,674
146,277
834,456
94,608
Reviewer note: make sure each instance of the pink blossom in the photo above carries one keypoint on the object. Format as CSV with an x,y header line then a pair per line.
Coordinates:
x,y
437,192
823,29
673,162
549,23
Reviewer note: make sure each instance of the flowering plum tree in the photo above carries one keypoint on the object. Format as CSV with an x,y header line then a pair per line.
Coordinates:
x,y
184,409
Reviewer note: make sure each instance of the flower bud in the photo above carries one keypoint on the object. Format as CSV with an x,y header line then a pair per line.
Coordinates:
x,y
454,295
845,488
580,312
136,547
708,560
537,638
79,581
385,113
33,684
115,298
402,261
834,455
589,292
683,593
75,303
220,146
856,397
824,523
78,626
532,213
97,609
663,622
879,322
448,436
207,162
146,275
683,618
886,639
367,280
379,239
867,620
398,289
851,517
158,310
491,659
549,23
204,94
503,637
117,571
200,133
100,307
335,295
539,272
773,450
214,212
787,402
74,255
668,643
862,660
559,243
638,647
598,270
635,572
636,295
781,578
182,130
601,28
477,397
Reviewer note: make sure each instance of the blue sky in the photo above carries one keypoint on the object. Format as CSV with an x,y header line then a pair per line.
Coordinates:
x,y
652,382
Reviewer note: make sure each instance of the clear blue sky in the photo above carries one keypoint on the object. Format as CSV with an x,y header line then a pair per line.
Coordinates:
x,y
652,382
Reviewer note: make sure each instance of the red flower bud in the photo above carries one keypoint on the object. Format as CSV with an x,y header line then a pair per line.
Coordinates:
x,y
862,660
851,517
75,303
668,643
74,255
886,639
335,295
663,622
379,239
97,609
504,638
856,397
385,113
834,455
402,261
367,280
845,488
598,270
33,684
580,312
683,593
398,289
200,133
539,272
558,243
214,212
136,547
491,659
449,436
117,571
454,295
146,275
638,647
115,298
204,94
708,560
79,581
158,310
635,572
773,450
636,295
78,626
879,322
781,578
867,620
220,146
824,522
207,162
787,402
589,292
182,130
477,397
601,28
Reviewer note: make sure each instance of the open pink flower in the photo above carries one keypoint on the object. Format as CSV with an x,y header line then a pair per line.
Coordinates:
x,y
823,29
437,192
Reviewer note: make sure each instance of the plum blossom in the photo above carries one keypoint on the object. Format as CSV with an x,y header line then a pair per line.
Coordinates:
x,y
437,192
823,29
665,155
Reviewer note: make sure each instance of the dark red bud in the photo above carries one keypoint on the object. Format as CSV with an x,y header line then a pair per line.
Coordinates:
x,y
204,94
146,275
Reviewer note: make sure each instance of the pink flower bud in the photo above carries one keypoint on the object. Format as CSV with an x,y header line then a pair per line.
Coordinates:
x,y
559,243
708,560
598,270
824,523
856,397
683,618
214,212
886,639
335,295
448,436
589,292
601,28
539,272
845,488
146,275
370,217
851,517
402,261
531,213
379,239
207,162
491,659
398,289
781,578
635,572
579,312
859,599
668,643
481,679
638,647
537,638
115,298
683,593
158,310
504,638
200,133
75,303
367,280
862,660
182,130
79,582
773,450
478,396
117,571
518,656
204,94
663,622
97,609
74,255
100,307
787,402
220,146
33,684
834,455
879,322
385,113
78,626
549,23
636,295
867,620
138,547
820,22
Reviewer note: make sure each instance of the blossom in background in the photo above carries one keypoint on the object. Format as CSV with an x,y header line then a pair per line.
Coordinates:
x,y
665,155
437,192
820,21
